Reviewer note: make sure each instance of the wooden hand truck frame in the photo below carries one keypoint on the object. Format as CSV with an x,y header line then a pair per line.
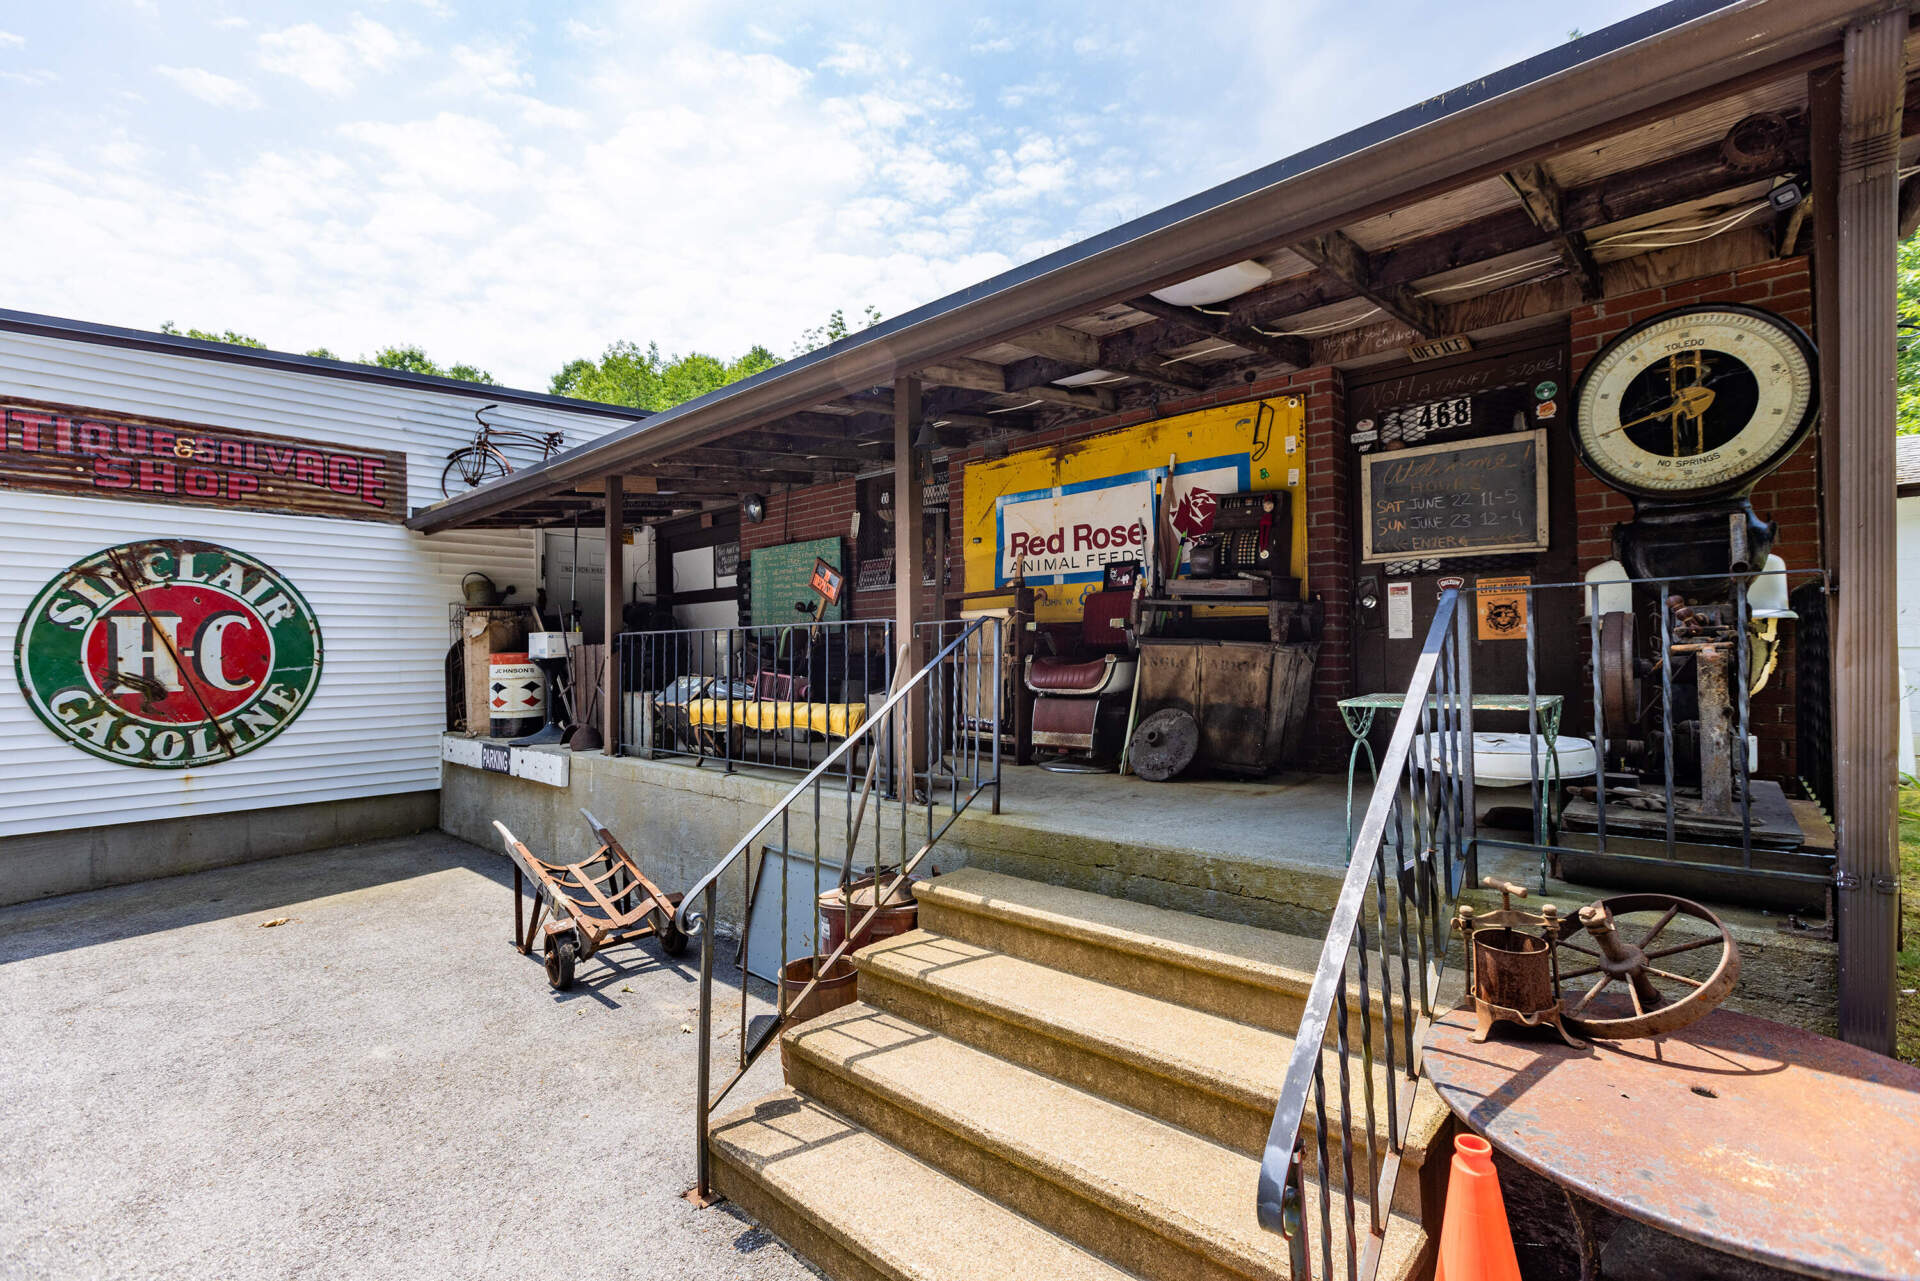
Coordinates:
x,y
588,910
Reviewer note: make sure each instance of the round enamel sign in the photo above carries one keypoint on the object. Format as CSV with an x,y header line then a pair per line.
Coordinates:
x,y
168,654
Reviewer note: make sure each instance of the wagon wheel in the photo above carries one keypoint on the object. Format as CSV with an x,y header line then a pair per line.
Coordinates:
x,y
562,950
1628,952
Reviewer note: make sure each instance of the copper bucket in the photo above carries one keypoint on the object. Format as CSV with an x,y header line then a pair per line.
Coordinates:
x,y
837,987
899,912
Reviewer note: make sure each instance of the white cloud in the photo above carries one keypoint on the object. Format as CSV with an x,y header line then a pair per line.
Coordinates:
x,y
211,88
232,22
31,79
487,65
333,62
8,40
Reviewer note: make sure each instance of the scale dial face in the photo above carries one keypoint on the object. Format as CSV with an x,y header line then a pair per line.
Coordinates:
x,y
1698,402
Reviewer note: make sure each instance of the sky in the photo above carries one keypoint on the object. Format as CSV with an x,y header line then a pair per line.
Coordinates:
x,y
515,185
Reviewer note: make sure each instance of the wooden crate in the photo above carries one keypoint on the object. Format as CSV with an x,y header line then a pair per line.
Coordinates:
x,y
1249,697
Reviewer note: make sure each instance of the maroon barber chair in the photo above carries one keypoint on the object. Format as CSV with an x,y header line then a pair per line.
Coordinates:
x,y
1080,704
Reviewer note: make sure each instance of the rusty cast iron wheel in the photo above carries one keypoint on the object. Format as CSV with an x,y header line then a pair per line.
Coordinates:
x,y
1620,949
1619,687
1164,744
561,951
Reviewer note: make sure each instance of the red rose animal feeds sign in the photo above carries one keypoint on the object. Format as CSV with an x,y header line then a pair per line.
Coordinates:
x,y
169,654
63,450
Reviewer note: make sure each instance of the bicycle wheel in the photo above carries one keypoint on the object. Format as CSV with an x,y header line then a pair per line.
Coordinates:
x,y
473,466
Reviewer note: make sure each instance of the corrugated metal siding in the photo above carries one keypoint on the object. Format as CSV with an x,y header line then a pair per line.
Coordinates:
x,y
381,592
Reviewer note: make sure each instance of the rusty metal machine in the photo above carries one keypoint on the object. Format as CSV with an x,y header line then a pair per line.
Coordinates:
x,y
1513,974
1514,966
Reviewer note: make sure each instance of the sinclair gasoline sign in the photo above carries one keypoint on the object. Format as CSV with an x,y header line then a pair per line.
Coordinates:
x,y
63,450
168,654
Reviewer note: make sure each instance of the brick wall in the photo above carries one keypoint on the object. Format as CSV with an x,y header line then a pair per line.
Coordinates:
x,y
1790,496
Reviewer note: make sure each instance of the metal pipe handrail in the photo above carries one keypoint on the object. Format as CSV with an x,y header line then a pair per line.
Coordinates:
x,y
692,922
1438,702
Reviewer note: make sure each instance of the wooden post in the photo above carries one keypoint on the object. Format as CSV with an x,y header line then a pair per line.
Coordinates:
x,y
909,565
616,531
1859,352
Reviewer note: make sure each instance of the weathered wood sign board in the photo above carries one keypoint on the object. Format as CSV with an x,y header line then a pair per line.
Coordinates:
x,y
1471,498
62,449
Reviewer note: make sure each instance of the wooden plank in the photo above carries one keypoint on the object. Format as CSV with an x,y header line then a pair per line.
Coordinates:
x,y
1866,689
1337,254
1545,204
1285,348
616,578
69,449
1060,343
909,559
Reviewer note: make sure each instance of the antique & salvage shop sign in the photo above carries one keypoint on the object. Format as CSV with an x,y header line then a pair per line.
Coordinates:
x,y
63,450
168,654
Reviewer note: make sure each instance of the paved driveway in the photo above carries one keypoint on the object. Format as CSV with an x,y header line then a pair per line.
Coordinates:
x,y
381,1087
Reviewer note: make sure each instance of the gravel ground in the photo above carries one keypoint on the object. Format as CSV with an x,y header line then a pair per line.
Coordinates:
x,y
380,1087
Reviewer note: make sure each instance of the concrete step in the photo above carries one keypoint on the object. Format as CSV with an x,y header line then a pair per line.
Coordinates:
x,y
863,1210
1215,1076
1151,1197
1237,971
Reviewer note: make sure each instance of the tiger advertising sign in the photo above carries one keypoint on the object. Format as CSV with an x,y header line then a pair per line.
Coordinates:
x,y
168,654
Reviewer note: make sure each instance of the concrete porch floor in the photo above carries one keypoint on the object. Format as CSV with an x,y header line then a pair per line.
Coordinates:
x,y
380,1087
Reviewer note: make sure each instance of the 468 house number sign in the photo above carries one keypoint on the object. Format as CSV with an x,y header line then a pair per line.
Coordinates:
x,y
168,654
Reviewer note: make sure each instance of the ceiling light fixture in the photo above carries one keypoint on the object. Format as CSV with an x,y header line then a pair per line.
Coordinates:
x,y
1229,281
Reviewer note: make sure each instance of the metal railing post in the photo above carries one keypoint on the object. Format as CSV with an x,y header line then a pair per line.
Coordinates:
x,y
703,1186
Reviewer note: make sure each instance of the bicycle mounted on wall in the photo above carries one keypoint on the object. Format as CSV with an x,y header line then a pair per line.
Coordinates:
x,y
482,459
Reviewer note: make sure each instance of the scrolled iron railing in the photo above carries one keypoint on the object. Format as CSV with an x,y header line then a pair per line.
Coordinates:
x,y
932,750
1408,863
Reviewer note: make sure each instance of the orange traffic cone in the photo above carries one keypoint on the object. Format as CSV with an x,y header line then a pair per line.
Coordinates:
x,y
1475,1242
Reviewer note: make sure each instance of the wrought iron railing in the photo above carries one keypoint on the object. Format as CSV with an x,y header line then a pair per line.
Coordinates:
x,y
1408,863
773,696
931,750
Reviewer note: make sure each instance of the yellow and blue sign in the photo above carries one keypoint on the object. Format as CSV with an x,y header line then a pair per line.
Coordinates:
x,y
1063,514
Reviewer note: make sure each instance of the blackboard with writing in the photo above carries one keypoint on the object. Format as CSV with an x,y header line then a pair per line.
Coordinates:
x,y
780,580
1467,498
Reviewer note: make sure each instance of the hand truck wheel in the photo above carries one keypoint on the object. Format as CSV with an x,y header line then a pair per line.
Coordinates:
x,y
561,953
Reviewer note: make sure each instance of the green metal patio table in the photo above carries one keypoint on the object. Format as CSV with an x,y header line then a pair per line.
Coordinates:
x,y
1358,713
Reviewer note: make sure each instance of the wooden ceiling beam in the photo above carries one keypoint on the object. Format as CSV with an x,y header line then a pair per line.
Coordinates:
x,y
1291,351
1339,255
1545,204
1136,351
1060,343
980,375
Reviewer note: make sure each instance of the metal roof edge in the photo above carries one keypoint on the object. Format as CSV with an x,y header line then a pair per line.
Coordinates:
x,y
872,356
27,322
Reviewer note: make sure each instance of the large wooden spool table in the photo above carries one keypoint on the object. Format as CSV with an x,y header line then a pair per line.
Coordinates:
x,y
1745,1136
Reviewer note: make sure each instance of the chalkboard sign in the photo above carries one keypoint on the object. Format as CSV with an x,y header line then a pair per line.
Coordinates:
x,y
1467,498
781,577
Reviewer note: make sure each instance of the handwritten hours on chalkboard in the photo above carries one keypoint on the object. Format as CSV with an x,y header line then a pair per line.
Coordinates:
x,y
1464,498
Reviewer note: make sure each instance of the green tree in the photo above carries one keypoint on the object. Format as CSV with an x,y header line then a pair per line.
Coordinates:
x,y
1907,358
416,361
834,330
323,353
627,374
207,335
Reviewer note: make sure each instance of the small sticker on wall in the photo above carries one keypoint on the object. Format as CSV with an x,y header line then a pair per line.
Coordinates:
x,y
1293,478
1399,611
1546,409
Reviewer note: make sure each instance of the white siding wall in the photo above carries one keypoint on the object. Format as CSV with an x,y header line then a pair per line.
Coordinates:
x,y
1907,525
380,591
